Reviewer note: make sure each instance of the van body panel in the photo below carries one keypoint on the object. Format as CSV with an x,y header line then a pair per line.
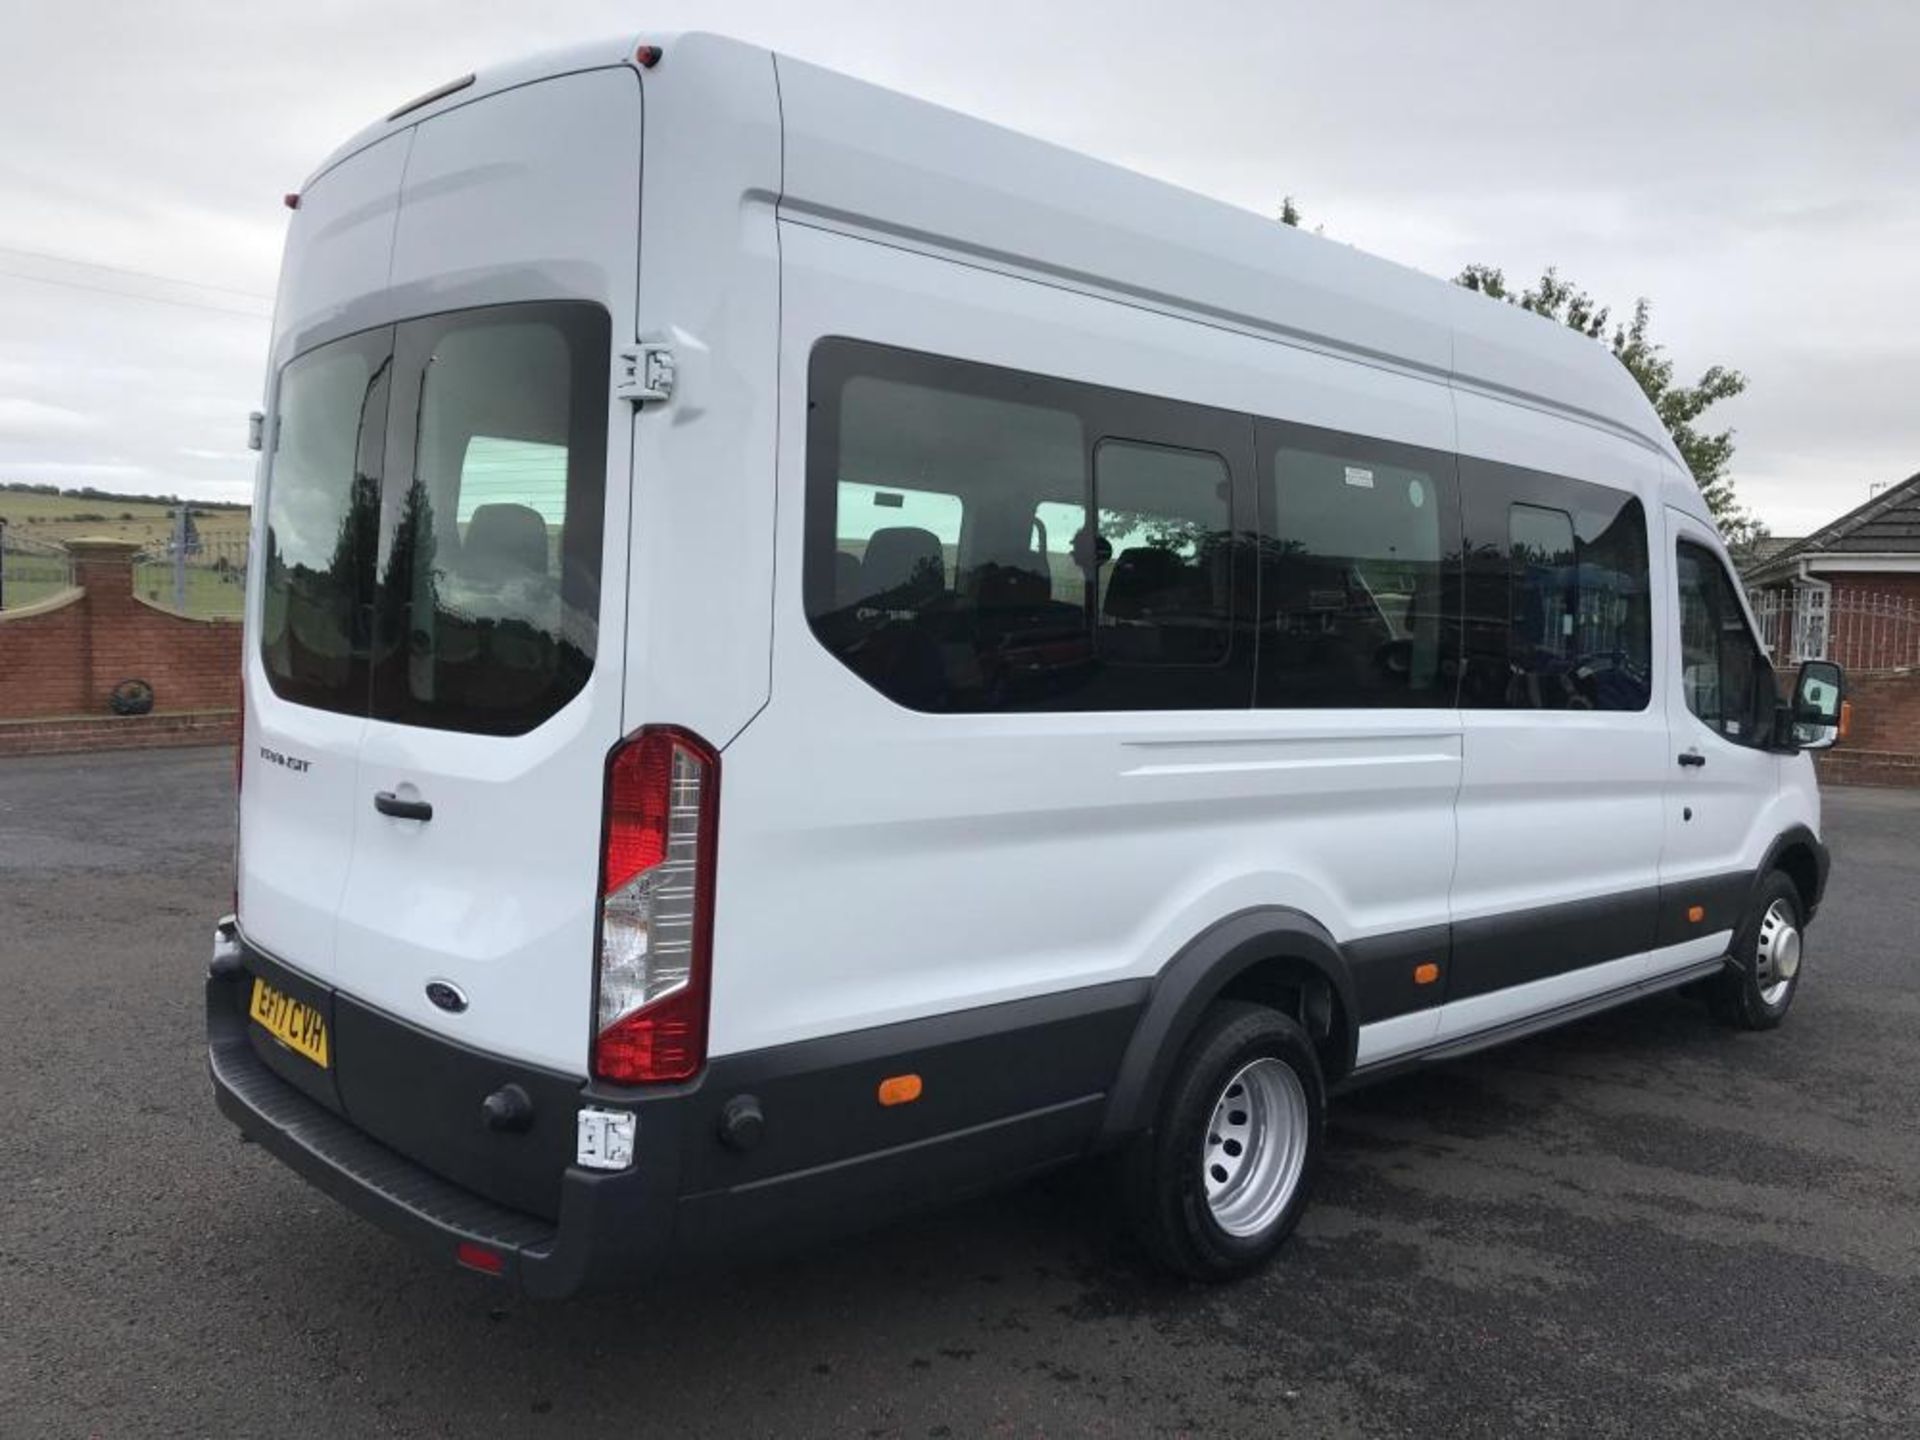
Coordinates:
x,y
1184,816
529,194
705,474
333,274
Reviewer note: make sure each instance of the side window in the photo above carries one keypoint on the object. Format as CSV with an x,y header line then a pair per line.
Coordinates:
x,y
1356,567
1558,613
950,561
323,514
489,566
1724,678
1545,604
1165,518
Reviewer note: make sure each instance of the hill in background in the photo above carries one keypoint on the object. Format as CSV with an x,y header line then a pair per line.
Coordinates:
x,y
45,512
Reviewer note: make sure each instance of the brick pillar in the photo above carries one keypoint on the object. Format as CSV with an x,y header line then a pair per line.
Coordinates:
x,y
104,569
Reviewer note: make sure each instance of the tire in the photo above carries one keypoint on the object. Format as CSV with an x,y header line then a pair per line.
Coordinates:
x,y
1195,1214
1757,989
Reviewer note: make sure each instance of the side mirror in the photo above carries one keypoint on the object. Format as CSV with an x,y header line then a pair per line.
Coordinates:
x,y
1819,704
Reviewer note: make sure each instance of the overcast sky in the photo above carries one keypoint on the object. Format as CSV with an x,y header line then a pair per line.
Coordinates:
x,y
1753,167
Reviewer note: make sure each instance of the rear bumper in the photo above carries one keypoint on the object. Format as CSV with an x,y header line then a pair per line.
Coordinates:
x,y
1010,1089
613,1229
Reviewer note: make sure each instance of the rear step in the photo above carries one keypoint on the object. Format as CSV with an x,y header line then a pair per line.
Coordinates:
x,y
359,1171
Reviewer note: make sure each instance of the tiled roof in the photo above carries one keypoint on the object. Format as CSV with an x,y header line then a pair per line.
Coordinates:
x,y
1889,523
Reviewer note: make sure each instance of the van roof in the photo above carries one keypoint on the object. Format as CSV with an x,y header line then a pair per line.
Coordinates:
x,y
868,160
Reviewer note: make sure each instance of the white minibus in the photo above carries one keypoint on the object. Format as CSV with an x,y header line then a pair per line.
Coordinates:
x,y
809,655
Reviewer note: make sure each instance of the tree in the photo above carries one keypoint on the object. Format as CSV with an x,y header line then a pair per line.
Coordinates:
x,y
1709,455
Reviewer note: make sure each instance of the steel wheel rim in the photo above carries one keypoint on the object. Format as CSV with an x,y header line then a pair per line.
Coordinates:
x,y
1255,1148
1776,956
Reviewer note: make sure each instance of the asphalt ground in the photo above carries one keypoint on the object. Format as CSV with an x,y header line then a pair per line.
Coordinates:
x,y
1640,1225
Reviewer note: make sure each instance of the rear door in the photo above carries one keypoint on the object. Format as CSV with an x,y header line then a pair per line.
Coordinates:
x,y
496,684
499,630
307,671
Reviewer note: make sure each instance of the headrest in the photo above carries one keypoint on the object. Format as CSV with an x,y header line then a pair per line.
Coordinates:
x,y
507,534
903,563
1148,580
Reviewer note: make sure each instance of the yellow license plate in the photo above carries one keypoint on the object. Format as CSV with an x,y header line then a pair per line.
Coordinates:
x,y
300,1028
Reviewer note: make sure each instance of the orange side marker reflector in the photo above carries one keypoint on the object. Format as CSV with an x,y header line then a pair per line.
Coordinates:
x,y
1846,718
900,1089
1426,974
1696,913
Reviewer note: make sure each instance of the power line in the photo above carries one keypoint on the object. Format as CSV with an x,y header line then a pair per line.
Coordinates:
x,y
134,295
124,270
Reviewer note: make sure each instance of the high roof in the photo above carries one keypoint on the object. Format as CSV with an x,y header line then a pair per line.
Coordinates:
x,y
1888,524
868,160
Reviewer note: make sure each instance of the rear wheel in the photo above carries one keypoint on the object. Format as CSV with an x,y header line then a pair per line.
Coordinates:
x,y
1225,1174
1757,989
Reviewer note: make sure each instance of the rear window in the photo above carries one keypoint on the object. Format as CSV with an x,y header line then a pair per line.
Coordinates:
x,y
323,513
433,558
489,583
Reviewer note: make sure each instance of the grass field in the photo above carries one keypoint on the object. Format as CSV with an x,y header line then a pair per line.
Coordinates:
x,y
35,516
32,577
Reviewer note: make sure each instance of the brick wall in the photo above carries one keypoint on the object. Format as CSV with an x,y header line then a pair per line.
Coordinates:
x,y
63,658
1883,745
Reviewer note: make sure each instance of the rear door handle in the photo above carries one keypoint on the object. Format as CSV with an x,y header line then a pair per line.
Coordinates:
x,y
388,803
1692,758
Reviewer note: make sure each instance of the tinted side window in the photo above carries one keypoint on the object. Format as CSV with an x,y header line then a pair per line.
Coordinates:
x,y
1543,605
489,567
1724,678
1358,571
950,561
1165,518
1558,611
323,512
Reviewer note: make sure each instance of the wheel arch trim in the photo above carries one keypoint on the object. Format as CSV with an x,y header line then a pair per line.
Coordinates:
x,y
1197,976
1794,838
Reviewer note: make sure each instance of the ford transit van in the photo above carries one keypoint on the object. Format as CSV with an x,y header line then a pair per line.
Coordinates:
x,y
809,655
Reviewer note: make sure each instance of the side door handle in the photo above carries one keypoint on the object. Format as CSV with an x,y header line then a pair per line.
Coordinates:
x,y
1692,758
388,803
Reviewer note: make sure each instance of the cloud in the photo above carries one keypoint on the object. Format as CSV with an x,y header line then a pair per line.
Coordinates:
x,y
31,419
1746,166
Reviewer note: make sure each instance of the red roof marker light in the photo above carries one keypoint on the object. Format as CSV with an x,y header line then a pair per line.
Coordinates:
x,y
647,56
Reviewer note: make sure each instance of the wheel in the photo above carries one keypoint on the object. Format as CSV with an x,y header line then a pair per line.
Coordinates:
x,y
1756,991
1224,1174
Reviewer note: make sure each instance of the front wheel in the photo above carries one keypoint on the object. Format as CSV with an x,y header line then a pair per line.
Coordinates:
x,y
1224,1176
1758,986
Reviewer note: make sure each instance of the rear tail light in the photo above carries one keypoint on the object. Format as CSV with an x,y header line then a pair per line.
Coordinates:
x,y
656,908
